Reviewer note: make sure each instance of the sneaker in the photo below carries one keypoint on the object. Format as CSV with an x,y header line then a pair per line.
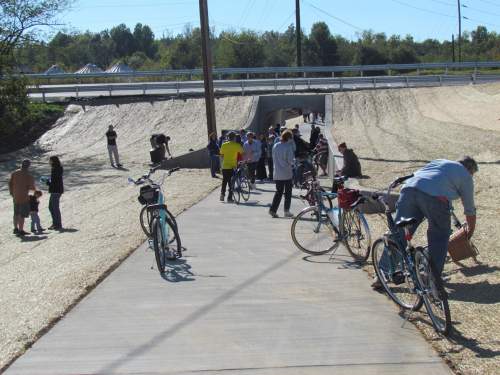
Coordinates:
x,y
22,233
15,231
230,200
273,214
221,198
288,214
119,165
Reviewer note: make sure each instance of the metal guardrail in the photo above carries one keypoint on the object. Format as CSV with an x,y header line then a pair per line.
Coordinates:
x,y
221,72
260,85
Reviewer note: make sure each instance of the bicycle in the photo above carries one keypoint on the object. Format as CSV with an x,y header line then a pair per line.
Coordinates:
x,y
312,187
240,183
406,272
163,232
318,229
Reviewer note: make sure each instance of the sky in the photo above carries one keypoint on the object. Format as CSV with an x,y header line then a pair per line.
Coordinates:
x,y
437,19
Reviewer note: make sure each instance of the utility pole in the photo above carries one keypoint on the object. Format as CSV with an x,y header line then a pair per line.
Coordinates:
x,y
298,33
206,55
459,32
453,46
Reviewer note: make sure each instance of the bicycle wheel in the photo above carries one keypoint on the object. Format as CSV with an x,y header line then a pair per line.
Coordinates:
x,y
355,234
313,233
394,275
168,248
244,188
434,294
146,218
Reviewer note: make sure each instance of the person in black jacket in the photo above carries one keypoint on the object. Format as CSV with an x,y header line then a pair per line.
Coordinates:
x,y
56,189
352,167
213,150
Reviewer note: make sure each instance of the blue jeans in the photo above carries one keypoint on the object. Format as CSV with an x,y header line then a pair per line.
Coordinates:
x,y
414,203
35,221
55,212
214,164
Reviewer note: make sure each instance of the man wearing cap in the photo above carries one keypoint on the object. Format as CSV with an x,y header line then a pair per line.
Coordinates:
x,y
20,184
352,166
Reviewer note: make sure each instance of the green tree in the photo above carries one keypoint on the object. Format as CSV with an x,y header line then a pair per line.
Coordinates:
x,y
320,46
145,40
124,40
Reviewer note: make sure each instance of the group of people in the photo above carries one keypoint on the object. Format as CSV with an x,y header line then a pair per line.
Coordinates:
x,y
22,183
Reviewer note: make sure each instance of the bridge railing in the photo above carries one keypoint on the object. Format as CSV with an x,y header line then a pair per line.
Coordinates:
x,y
257,85
220,73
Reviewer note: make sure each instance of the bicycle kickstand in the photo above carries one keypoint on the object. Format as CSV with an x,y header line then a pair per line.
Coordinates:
x,y
409,314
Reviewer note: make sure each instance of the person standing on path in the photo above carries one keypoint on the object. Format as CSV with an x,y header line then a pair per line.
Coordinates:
x,y
269,151
231,151
20,184
261,165
112,148
251,152
56,189
283,156
213,150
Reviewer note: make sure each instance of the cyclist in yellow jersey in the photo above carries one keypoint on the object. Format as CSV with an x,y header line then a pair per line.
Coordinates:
x,y
230,152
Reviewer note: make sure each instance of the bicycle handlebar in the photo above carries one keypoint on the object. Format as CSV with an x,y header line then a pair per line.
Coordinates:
x,y
147,177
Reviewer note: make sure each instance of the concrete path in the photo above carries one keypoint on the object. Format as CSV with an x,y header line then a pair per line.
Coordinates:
x,y
244,300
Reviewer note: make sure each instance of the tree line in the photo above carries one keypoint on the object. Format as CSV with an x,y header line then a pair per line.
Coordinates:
x,y
141,50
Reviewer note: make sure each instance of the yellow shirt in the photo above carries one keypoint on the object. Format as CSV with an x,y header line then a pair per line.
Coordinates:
x,y
229,151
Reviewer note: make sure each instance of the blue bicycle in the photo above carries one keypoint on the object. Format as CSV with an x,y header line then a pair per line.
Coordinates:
x,y
406,272
157,222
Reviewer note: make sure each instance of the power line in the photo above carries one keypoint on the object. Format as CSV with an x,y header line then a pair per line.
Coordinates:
x,y
480,22
480,10
490,3
423,9
332,16
287,19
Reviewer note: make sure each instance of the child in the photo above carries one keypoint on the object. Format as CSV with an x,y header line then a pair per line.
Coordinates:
x,y
35,219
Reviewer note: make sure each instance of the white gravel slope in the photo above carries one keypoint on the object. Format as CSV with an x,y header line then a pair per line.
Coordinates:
x,y
41,277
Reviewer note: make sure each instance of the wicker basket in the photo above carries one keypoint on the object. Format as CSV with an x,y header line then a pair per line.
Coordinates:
x,y
460,247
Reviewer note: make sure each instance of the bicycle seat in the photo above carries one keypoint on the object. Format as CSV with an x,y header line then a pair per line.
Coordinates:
x,y
405,221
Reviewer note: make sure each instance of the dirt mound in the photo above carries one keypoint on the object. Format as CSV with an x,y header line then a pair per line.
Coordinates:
x,y
41,276
394,132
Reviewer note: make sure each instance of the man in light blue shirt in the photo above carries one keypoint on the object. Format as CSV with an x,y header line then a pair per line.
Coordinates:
x,y
428,195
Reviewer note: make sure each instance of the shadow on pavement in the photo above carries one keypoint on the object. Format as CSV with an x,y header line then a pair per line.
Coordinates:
x,y
481,293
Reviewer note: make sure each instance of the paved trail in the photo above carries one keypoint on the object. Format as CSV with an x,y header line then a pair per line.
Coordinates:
x,y
244,301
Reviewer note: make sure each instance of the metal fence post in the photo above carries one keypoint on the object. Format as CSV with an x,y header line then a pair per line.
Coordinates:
x,y
305,75
77,93
407,82
178,87
248,75
293,85
110,89
308,84
473,78
242,88
275,85
43,96
333,74
374,80
341,85
440,80
144,90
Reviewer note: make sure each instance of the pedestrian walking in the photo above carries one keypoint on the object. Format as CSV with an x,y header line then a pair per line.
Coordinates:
x,y
36,226
56,189
20,184
283,157
213,151
112,147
